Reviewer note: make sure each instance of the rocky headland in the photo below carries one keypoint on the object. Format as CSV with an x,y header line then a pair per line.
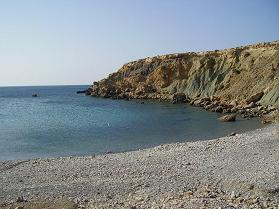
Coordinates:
x,y
242,80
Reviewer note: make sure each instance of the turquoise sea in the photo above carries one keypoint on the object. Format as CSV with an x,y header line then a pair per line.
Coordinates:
x,y
60,122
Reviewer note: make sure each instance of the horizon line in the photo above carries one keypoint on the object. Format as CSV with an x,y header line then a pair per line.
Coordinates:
x,y
45,85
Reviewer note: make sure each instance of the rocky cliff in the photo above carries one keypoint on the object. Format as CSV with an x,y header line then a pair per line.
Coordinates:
x,y
241,78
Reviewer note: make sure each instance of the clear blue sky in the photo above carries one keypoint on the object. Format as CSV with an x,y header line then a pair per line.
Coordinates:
x,y
47,42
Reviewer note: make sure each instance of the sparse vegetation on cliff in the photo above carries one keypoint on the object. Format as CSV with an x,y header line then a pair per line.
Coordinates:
x,y
241,80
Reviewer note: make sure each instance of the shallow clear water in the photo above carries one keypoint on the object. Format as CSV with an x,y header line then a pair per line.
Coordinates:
x,y
62,123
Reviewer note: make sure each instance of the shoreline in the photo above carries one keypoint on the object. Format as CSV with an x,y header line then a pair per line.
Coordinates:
x,y
240,170
210,104
189,140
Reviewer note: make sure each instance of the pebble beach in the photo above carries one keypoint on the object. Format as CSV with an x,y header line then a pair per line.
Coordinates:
x,y
238,171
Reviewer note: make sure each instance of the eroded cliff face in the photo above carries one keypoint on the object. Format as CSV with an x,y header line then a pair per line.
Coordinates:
x,y
231,76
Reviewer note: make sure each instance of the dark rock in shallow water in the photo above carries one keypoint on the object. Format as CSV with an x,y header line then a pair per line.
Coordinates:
x,y
86,92
34,95
228,118
83,91
219,109
178,98
232,134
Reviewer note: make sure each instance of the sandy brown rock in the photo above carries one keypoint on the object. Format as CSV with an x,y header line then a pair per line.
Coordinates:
x,y
228,118
234,76
255,97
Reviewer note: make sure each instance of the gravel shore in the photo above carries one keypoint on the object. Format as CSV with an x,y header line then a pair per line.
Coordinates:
x,y
240,171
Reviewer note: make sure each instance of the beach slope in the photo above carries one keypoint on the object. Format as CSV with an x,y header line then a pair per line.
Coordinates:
x,y
233,172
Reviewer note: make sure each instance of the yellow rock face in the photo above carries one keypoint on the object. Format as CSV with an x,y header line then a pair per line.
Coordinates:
x,y
231,75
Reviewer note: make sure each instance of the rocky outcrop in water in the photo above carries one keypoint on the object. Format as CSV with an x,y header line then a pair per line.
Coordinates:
x,y
228,118
243,79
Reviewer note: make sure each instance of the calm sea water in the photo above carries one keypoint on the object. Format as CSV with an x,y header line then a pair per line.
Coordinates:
x,y
62,123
